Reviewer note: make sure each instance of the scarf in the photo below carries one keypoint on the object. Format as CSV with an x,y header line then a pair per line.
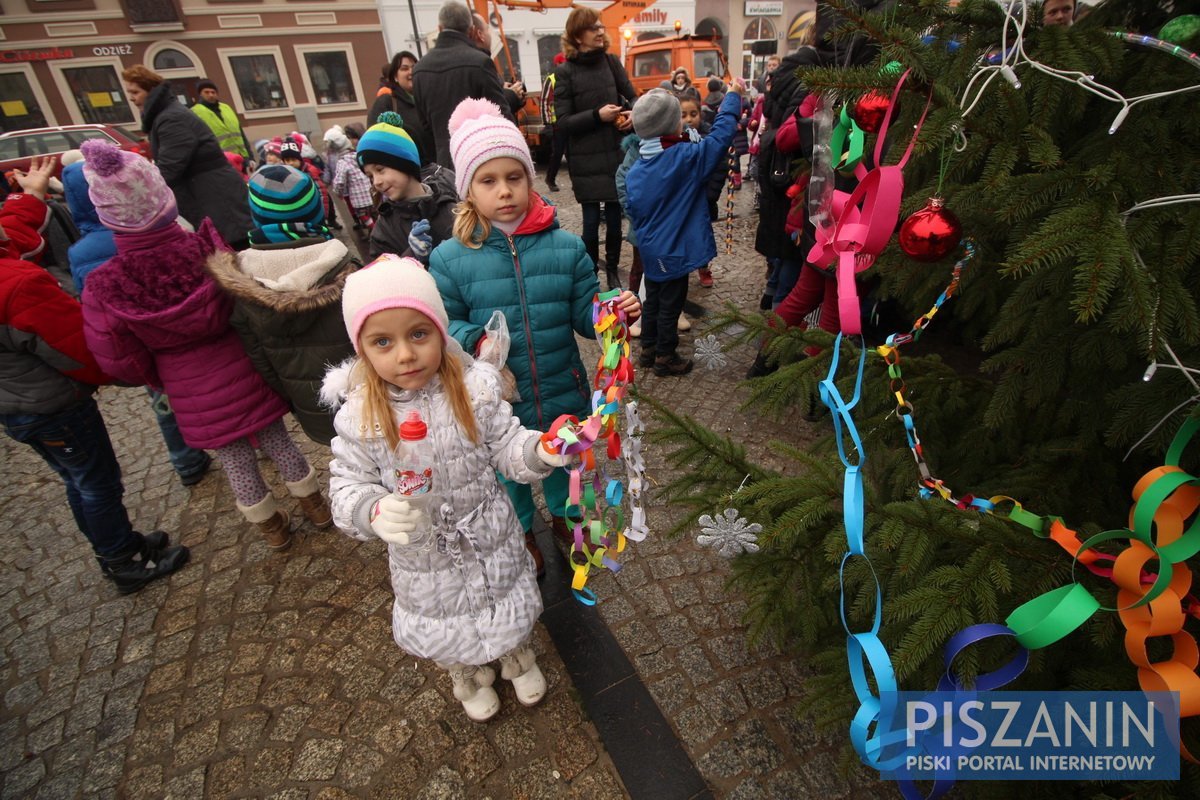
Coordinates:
x,y
649,148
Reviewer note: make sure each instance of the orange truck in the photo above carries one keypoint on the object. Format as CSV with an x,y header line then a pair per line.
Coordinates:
x,y
648,63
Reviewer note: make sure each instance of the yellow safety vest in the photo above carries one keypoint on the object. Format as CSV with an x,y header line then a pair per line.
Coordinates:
x,y
229,134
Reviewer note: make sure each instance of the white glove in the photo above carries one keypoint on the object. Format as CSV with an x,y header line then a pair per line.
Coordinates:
x,y
552,459
394,519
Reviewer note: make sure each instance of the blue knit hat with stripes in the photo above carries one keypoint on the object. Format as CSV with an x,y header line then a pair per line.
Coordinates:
x,y
285,205
387,143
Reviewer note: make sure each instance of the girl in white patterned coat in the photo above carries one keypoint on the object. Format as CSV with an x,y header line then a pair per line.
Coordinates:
x,y
472,598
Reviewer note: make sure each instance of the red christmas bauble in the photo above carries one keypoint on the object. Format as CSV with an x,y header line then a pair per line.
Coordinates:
x,y
930,234
870,110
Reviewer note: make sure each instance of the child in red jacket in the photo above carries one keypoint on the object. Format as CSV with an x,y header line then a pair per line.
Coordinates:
x,y
47,379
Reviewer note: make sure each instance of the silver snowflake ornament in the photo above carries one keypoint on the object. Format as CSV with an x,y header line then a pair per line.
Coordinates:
x,y
729,534
709,354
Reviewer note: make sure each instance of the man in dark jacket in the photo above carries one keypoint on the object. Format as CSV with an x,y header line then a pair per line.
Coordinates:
x,y
47,379
452,71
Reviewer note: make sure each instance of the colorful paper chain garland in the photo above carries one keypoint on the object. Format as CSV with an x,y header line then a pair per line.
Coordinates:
x,y
1149,605
594,506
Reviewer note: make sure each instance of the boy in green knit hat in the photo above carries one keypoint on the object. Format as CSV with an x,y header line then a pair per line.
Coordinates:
x,y
417,210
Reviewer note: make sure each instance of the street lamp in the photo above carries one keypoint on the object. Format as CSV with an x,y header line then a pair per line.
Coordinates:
x,y
627,35
678,26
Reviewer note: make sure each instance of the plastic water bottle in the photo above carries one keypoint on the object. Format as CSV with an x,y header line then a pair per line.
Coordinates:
x,y
413,463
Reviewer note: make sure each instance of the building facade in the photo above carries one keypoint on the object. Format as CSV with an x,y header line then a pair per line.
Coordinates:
x,y
281,64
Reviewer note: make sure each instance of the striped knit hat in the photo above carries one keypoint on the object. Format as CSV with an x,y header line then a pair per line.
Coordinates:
x,y
388,144
478,133
285,205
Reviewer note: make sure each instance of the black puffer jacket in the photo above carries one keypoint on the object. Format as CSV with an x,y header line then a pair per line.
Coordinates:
x,y
451,72
392,98
582,84
194,166
288,313
396,218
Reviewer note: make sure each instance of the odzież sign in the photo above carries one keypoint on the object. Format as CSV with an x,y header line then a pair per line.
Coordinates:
x,y
54,53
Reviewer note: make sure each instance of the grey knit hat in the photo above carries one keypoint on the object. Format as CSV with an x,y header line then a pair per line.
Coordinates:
x,y
656,113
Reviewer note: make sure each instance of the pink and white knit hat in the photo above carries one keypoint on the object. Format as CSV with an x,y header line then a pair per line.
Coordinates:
x,y
391,282
478,133
128,191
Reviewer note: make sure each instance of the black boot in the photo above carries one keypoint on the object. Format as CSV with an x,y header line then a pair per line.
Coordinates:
x,y
760,367
153,559
613,276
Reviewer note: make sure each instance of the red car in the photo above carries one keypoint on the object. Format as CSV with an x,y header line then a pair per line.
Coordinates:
x,y
18,147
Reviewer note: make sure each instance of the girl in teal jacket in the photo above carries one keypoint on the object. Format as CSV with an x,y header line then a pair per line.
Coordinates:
x,y
509,255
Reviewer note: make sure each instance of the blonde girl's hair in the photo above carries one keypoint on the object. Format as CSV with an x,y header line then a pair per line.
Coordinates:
x,y
470,227
377,407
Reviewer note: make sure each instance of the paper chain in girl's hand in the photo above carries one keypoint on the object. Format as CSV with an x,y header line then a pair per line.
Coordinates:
x,y
594,507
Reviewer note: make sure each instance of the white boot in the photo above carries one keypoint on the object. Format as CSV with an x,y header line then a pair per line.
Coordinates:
x,y
520,667
473,687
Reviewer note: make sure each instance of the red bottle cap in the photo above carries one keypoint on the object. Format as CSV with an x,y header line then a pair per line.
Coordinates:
x,y
413,428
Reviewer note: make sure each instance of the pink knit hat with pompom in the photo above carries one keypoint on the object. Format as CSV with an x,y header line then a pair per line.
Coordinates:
x,y
128,191
478,133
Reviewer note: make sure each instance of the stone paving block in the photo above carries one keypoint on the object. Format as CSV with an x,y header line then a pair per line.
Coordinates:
x,y
696,726
197,743
671,693
103,771
478,759
358,766
46,736
435,743
723,700
144,782
446,784
23,777
762,687
59,784
534,781
186,787
756,747
289,722
674,631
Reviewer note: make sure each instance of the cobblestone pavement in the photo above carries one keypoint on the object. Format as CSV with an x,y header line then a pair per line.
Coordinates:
x,y
256,674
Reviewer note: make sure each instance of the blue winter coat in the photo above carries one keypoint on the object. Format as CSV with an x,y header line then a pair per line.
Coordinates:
x,y
542,279
95,244
667,202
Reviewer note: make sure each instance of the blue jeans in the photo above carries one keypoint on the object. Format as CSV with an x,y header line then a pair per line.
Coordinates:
x,y
556,486
785,275
612,233
75,444
186,460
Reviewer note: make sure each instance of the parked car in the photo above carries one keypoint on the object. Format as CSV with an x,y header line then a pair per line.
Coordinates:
x,y
18,147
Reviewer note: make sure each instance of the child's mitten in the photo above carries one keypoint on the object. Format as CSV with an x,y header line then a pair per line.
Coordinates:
x,y
552,459
393,519
420,241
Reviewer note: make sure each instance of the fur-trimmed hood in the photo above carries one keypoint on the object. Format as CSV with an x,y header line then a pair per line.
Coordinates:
x,y
288,280
336,384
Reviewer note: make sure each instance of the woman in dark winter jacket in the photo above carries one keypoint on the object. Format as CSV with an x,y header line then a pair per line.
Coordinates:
x,y
191,161
287,293
395,94
591,96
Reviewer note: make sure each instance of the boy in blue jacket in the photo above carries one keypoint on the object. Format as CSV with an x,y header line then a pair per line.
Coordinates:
x,y
668,207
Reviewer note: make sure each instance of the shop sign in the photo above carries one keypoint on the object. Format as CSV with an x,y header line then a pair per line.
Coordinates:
x,y
113,50
764,8
17,56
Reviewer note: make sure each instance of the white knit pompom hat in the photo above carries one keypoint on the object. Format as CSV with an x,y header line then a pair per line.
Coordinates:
x,y
391,282
478,133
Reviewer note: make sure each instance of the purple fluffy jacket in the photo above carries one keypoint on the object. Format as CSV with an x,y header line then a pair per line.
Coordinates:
x,y
154,316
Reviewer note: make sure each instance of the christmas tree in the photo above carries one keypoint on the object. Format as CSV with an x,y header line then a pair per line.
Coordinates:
x,y
1032,382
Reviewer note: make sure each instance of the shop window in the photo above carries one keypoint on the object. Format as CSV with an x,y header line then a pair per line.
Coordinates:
x,y
151,12
258,81
548,48
712,27
19,107
330,75
99,94
759,30
172,59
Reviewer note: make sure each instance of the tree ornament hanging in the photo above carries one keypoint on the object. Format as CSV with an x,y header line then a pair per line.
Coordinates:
x,y
932,233
729,534
870,110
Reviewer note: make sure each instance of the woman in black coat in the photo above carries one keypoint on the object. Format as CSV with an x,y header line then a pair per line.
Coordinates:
x,y
592,98
191,161
396,94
